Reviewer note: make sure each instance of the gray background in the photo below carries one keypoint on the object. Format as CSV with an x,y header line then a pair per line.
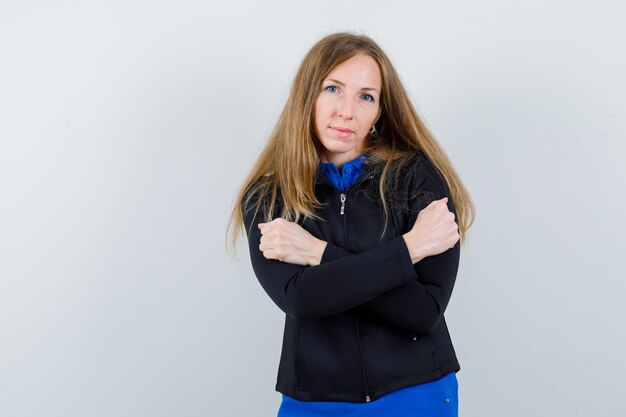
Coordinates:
x,y
127,126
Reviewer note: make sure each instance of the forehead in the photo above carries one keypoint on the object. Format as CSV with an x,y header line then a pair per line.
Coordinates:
x,y
360,70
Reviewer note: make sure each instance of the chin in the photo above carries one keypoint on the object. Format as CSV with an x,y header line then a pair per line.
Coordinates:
x,y
339,147
339,151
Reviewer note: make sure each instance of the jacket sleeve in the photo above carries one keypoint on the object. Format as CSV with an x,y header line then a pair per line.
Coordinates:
x,y
305,292
420,303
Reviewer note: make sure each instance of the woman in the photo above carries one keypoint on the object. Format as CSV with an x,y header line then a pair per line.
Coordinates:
x,y
351,215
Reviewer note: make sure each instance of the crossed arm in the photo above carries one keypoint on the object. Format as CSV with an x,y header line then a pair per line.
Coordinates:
x,y
406,281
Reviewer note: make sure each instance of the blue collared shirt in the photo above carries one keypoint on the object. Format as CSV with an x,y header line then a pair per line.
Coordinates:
x,y
350,171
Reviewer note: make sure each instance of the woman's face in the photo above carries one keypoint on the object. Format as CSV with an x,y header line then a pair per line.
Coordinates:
x,y
347,107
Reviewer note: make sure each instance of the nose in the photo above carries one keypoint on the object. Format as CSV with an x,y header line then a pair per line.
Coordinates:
x,y
345,108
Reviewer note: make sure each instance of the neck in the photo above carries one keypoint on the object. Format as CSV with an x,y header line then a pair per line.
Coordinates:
x,y
339,159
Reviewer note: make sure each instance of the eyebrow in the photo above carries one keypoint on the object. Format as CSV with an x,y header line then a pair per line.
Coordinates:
x,y
342,84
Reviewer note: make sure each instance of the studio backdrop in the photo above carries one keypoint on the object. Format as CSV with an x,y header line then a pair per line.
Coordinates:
x,y
127,127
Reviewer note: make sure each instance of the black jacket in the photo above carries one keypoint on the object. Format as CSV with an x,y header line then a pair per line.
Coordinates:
x,y
366,321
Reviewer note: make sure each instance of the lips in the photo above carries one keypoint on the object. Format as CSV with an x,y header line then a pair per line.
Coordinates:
x,y
341,131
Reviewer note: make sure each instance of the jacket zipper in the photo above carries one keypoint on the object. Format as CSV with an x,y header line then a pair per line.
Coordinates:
x,y
362,354
362,358
342,198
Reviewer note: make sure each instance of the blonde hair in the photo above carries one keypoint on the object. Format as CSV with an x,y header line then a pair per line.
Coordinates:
x,y
288,164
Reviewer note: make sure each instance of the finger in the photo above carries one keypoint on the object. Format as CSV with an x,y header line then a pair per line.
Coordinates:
x,y
265,241
268,228
443,203
273,254
269,254
271,226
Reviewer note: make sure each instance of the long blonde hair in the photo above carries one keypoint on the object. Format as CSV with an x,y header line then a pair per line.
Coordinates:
x,y
288,164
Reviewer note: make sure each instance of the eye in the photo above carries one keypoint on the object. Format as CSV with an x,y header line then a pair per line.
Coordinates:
x,y
368,97
331,88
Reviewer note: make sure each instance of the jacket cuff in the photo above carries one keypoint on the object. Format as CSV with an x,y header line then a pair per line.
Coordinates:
x,y
332,252
406,263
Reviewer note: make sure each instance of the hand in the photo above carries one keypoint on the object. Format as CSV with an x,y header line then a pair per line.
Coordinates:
x,y
288,242
434,231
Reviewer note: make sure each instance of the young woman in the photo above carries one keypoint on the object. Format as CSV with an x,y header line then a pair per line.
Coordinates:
x,y
354,217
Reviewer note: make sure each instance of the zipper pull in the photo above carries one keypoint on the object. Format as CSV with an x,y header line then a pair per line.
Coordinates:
x,y
343,202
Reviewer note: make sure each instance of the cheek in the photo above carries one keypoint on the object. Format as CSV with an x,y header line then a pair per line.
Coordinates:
x,y
369,117
318,120
322,114
321,107
317,113
374,113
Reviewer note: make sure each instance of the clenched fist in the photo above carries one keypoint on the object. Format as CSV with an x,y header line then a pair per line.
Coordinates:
x,y
288,242
434,231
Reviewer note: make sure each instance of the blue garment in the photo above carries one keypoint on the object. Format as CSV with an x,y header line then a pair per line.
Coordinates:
x,y
350,171
431,399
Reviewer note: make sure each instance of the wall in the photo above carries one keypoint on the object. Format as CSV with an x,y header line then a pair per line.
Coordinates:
x,y
126,128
